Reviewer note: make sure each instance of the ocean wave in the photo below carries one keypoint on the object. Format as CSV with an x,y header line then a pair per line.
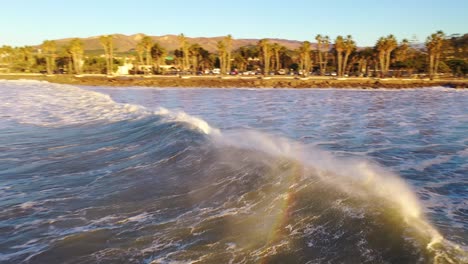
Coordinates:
x,y
113,181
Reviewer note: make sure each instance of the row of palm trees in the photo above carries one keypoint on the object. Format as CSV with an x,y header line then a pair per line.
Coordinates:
x,y
342,55
75,51
344,47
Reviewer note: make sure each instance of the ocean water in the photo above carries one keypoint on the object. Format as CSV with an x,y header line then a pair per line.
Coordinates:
x,y
145,175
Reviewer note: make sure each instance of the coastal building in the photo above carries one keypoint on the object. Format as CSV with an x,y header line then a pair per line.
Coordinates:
x,y
124,69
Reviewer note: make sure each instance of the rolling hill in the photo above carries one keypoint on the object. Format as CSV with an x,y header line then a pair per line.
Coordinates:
x,y
124,43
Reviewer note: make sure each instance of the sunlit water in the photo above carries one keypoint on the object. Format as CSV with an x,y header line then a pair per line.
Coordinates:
x,y
139,175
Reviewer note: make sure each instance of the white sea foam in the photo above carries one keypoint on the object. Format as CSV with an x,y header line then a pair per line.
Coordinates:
x,y
137,218
46,104
28,205
430,162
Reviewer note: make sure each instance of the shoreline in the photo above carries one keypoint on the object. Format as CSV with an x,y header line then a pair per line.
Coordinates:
x,y
239,81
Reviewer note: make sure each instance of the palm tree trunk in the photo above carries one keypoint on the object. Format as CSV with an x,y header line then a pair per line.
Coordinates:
x,y
221,62
325,62
106,51
77,64
382,64
345,61
228,68
148,56
339,57
387,62
436,63
431,65
48,62
322,70
277,59
195,64
111,58
70,64
186,59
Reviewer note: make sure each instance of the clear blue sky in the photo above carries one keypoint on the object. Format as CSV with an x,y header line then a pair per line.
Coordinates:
x,y
30,22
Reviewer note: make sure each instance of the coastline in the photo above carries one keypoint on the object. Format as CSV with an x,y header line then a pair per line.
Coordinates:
x,y
239,81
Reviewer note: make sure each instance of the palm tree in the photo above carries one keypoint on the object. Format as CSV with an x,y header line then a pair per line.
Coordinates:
x,y
391,45
194,51
205,58
184,46
228,44
326,50
349,46
402,53
304,57
276,48
66,51
49,47
147,44
157,54
221,45
385,46
365,57
265,50
381,47
25,58
107,44
6,56
434,46
339,47
320,39
240,62
283,57
76,50
403,49
140,49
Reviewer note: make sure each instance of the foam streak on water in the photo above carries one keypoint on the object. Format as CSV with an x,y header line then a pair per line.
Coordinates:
x,y
133,176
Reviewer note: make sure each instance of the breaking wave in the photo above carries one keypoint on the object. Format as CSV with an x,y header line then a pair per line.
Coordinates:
x,y
85,179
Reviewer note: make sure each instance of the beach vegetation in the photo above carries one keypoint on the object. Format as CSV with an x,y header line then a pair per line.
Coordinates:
x,y
438,56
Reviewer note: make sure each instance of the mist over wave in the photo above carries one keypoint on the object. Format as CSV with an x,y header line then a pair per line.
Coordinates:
x,y
85,179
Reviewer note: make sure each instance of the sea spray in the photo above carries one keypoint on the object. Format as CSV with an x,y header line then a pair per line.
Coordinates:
x,y
357,177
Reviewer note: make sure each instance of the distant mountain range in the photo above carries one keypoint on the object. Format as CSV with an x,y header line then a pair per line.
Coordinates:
x,y
123,43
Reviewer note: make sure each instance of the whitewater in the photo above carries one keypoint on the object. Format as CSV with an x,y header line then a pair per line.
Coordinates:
x,y
147,175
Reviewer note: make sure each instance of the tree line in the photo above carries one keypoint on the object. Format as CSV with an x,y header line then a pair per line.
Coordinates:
x,y
341,56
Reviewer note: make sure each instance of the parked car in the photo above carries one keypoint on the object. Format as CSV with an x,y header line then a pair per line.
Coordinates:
x,y
281,72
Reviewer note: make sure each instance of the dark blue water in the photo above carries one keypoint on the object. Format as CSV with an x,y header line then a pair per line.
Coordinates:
x,y
141,175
